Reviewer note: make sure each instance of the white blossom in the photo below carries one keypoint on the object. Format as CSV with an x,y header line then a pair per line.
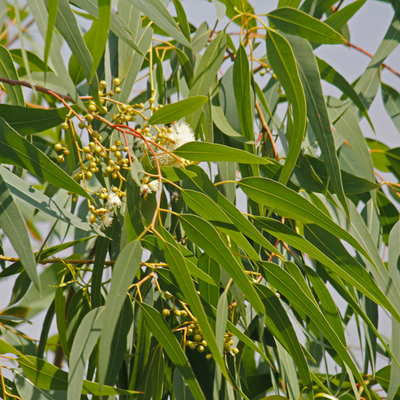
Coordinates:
x,y
154,186
181,133
151,187
106,220
113,200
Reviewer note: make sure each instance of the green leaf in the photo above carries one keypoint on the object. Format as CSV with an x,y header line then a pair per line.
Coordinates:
x,y
176,111
75,69
330,75
318,114
35,198
27,121
117,26
14,228
8,348
243,95
295,22
99,44
153,377
156,12
40,14
337,260
289,204
163,334
288,287
52,10
391,100
212,152
388,215
177,265
283,63
134,62
339,18
206,72
35,63
46,376
349,129
85,339
125,269
205,235
16,150
211,212
203,184
59,302
278,322
27,390
7,70
67,24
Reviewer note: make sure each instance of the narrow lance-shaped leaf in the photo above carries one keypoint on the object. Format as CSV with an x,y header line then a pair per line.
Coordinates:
x,y
125,269
278,322
330,75
205,74
85,339
97,49
205,235
295,22
339,18
176,111
163,334
283,63
156,12
204,151
318,114
67,25
13,226
7,70
16,150
286,285
52,10
242,90
46,376
177,265
290,204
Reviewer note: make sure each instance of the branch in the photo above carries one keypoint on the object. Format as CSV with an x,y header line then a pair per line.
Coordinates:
x,y
371,55
266,128
13,82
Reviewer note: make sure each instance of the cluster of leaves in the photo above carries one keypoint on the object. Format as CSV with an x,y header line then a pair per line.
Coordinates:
x,y
234,286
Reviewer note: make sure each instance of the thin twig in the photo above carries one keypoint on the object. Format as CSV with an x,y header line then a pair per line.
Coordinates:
x,y
266,128
371,55
13,82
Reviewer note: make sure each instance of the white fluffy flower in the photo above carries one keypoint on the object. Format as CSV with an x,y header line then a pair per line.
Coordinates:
x,y
113,200
151,187
181,133
106,220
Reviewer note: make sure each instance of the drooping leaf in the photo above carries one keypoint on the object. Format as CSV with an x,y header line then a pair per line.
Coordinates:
x,y
206,236
176,111
203,151
318,114
128,263
16,150
7,70
296,22
13,225
206,72
46,376
172,347
156,11
290,204
283,63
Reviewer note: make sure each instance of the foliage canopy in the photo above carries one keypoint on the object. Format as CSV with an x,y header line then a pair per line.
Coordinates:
x,y
198,202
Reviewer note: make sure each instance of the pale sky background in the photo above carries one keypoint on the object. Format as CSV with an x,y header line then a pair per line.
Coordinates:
x,y
367,30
